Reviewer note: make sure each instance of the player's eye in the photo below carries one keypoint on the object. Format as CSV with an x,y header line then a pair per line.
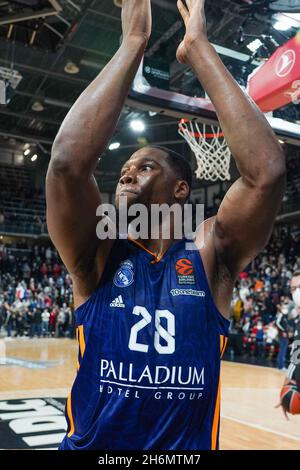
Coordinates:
x,y
146,168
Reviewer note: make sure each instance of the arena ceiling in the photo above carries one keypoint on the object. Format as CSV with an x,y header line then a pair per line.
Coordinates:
x,y
59,46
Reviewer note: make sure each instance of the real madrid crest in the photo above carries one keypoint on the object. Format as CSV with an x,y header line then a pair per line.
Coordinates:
x,y
124,277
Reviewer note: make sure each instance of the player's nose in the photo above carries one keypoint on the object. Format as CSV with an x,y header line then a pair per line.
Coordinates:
x,y
130,177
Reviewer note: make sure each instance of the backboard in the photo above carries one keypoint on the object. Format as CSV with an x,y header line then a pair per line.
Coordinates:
x,y
150,93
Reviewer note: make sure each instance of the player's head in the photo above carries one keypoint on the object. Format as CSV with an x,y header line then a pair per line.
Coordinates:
x,y
155,175
295,288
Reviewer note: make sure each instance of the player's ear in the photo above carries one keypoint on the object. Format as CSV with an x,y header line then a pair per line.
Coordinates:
x,y
181,190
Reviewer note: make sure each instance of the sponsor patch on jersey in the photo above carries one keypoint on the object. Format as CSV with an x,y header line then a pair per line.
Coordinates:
x,y
124,277
196,293
185,271
117,302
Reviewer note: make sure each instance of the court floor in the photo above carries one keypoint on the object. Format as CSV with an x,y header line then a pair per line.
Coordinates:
x,y
46,368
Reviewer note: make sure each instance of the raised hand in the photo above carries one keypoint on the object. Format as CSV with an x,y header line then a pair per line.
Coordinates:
x,y
72,191
193,15
136,19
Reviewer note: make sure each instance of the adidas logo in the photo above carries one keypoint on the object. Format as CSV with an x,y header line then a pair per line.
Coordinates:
x,y
118,302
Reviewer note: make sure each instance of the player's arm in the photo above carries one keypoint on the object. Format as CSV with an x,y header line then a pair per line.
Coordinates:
x,y
71,190
245,219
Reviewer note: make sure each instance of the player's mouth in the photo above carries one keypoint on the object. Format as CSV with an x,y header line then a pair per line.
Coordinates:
x,y
128,190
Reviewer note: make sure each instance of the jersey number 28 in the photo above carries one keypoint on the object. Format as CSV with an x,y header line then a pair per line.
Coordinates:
x,y
167,334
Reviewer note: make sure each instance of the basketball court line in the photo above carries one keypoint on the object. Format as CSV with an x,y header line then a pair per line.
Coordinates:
x,y
263,389
36,393
273,369
261,428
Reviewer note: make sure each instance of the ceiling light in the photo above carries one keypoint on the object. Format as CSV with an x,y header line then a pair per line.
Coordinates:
x,y
71,68
281,26
26,152
34,157
137,125
114,146
255,45
285,21
37,106
293,19
281,141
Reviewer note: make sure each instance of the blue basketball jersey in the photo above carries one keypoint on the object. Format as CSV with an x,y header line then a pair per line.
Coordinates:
x,y
150,345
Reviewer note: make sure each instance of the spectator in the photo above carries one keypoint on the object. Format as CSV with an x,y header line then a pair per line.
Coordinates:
x,y
259,339
60,323
52,322
36,323
283,327
45,322
271,335
9,322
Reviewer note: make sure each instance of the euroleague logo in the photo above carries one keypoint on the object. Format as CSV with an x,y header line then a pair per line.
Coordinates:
x,y
184,267
285,63
185,271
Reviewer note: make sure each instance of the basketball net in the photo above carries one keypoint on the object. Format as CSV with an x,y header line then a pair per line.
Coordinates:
x,y
210,148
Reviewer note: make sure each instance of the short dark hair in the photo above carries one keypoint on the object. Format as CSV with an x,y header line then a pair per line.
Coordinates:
x,y
296,273
178,164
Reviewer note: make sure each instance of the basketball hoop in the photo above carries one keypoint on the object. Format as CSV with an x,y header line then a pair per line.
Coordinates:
x,y
210,148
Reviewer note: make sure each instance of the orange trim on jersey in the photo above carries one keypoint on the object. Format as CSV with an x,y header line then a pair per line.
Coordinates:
x,y
224,347
81,340
215,427
157,258
77,338
70,416
216,421
221,343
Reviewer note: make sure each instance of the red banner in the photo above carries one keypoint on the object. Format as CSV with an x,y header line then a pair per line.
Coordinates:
x,y
277,82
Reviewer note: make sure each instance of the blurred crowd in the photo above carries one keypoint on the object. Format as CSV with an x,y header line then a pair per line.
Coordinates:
x,y
293,179
35,292
263,316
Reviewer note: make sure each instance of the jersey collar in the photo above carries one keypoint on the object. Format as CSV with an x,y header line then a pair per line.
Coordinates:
x,y
157,258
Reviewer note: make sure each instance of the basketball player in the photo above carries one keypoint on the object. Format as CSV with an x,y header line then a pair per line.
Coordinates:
x,y
293,372
151,315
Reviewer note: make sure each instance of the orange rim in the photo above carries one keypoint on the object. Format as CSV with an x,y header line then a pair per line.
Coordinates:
x,y
205,134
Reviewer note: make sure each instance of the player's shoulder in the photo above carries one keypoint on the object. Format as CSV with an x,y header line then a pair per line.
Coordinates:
x,y
204,234
204,241
215,269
